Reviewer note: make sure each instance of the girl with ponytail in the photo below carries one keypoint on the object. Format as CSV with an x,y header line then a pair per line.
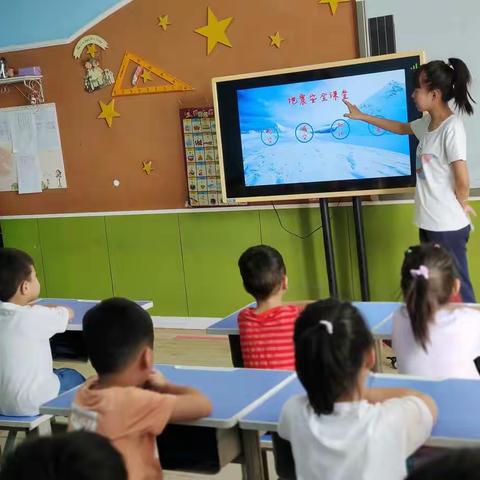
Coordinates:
x,y
340,429
441,197
431,336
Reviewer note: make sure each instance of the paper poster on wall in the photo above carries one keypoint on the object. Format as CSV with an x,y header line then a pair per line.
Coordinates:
x,y
31,158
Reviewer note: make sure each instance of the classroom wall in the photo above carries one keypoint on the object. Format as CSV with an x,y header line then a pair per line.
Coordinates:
x,y
186,262
149,125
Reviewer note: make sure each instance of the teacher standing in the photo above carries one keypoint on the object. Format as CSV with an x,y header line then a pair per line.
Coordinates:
x,y
441,196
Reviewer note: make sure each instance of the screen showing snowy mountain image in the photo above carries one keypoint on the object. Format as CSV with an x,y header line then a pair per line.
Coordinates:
x,y
296,133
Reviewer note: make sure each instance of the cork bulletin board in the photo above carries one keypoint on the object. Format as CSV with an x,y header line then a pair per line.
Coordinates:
x,y
95,156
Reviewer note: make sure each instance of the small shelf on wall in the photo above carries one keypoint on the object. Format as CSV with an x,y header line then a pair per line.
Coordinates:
x,y
30,86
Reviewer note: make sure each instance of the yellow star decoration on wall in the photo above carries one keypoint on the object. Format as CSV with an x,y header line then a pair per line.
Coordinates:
x,y
147,167
163,22
108,112
215,31
276,40
92,50
146,76
333,4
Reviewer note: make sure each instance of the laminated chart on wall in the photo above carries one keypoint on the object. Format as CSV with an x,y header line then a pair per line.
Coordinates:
x,y
31,158
201,156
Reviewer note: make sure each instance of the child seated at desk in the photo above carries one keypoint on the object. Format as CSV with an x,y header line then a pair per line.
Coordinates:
x,y
72,456
27,377
266,331
432,337
342,430
129,402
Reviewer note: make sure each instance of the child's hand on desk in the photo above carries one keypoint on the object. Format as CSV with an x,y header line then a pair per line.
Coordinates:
x,y
71,313
156,381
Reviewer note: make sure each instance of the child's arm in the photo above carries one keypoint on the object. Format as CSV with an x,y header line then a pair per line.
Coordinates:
x,y
190,403
70,311
354,113
377,395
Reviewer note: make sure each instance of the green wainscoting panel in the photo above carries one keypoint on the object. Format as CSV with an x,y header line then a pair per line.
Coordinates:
x,y
389,231
75,256
187,263
23,234
212,244
304,258
473,249
146,261
343,237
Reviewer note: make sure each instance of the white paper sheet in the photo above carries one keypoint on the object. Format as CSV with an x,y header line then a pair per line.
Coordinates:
x,y
28,172
23,132
47,128
4,129
38,141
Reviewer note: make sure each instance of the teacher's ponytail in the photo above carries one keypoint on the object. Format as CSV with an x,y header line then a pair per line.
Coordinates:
x,y
452,79
461,81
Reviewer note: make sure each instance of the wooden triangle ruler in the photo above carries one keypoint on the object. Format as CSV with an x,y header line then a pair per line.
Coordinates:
x,y
175,85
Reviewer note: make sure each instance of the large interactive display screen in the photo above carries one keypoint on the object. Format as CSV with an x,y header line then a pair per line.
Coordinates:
x,y
284,134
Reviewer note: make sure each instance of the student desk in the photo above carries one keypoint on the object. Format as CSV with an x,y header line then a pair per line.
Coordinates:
x,y
80,308
458,424
70,344
376,314
233,393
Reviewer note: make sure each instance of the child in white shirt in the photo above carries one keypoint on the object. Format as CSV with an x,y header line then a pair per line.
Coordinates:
x,y
27,378
342,430
431,337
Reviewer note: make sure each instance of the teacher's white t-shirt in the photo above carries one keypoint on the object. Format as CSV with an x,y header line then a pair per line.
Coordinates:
x,y
436,206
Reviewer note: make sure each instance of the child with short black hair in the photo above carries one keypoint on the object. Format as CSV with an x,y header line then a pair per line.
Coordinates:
x,y
432,337
129,402
461,464
72,456
266,331
27,377
341,429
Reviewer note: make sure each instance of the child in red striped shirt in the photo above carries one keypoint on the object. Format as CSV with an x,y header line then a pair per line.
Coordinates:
x,y
266,332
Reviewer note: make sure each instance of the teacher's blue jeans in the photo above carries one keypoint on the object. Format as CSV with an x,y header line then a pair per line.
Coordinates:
x,y
456,243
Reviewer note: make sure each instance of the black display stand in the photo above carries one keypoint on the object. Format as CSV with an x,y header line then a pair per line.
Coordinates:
x,y
329,253
361,254
328,246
